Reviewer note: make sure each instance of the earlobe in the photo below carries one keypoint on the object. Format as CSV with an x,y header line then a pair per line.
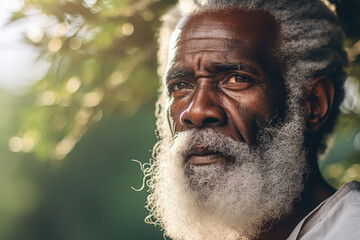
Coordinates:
x,y
319,98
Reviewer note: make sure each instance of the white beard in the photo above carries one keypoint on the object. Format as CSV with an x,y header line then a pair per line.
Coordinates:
x,y
227,202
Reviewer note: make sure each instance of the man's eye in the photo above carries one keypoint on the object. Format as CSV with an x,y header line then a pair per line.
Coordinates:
x,y
179,86
236,79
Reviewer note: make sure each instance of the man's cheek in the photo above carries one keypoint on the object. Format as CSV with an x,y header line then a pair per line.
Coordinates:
x,y
173,119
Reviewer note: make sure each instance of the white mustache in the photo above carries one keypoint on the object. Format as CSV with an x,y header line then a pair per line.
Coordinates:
x,y
209,139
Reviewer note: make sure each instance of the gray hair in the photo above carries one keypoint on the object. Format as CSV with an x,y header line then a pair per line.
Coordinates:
x,y
312,46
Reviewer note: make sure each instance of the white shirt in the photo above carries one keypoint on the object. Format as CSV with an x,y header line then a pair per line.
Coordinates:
x,y
337,218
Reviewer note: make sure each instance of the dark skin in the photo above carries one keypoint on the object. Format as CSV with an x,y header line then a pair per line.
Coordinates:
x,y
223,74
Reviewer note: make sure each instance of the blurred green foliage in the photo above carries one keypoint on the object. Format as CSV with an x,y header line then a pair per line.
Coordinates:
x,y
103,73
90,196
341,163
103,77
102,56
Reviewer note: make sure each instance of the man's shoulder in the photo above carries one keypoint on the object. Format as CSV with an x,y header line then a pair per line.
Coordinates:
x,y
336,218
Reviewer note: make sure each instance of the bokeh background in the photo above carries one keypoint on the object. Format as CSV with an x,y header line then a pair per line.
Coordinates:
x,y
78,84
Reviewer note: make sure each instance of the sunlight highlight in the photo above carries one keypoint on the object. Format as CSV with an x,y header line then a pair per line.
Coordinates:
x,y
73,84
35,34
91,99
15,144
75,43
128,29
48,98
54,45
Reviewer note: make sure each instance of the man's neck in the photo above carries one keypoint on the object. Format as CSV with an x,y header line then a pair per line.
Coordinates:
x,y
316,190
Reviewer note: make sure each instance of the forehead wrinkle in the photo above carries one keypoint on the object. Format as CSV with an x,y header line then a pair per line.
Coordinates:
x,y
227,65
203,38
204,44
203,27
202,51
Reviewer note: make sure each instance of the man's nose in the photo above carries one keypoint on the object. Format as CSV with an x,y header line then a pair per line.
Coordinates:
x,y
204,110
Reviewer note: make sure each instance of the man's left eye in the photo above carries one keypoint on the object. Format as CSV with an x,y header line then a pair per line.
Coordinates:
x,y
236,79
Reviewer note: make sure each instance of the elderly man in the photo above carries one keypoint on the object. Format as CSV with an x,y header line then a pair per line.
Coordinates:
x,y
251,89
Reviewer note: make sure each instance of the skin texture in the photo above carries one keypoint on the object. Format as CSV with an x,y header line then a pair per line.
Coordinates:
x,y
223,74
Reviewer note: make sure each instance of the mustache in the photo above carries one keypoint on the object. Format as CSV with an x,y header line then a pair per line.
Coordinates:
x,y
202,141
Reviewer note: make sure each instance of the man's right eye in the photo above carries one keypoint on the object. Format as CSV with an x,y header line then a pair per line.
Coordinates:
x,y
178,86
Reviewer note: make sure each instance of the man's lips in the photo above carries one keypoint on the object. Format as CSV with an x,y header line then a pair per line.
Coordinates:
x,y
198,155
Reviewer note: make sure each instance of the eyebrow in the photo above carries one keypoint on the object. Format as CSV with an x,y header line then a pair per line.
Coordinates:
x,y
179,73
228,67
183,72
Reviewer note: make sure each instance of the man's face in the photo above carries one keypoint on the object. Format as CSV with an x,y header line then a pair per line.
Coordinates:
x,y
229,169
222,75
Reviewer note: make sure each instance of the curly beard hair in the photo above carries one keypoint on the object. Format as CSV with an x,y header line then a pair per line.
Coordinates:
x,y
228,201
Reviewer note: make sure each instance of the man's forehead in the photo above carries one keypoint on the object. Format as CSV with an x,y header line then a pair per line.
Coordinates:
x,y
229,34
236,26
206,29
221,22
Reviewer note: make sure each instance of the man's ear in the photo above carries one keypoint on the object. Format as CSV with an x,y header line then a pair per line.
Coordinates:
x,y
319,97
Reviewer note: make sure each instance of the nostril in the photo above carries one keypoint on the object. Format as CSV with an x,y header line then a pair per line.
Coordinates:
x,y
187,121
210,121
